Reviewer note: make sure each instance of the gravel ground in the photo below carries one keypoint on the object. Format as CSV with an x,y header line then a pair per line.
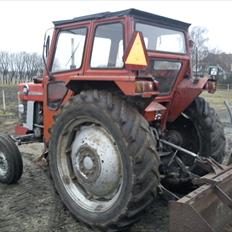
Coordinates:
x,y
32,205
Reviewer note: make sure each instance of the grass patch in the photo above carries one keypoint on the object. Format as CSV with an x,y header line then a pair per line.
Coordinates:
x,y
8,85
5,113
217,99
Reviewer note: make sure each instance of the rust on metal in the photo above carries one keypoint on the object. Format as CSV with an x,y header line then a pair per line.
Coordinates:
x,y
208,208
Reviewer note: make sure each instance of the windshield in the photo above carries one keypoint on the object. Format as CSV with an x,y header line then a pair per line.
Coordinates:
x,y
69,50
162,39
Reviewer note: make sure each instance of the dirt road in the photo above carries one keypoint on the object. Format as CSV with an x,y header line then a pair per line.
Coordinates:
x,y
32,205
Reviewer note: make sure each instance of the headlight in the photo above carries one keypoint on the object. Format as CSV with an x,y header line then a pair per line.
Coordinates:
x,y
21,108
26,89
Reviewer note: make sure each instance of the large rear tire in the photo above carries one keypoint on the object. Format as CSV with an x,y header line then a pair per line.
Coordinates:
x,y
103,160
201,130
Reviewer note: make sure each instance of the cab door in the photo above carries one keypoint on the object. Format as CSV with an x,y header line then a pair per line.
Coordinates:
x,y
67,62
68,49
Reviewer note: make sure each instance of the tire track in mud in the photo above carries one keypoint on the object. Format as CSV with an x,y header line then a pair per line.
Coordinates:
x,y
32,205
26,205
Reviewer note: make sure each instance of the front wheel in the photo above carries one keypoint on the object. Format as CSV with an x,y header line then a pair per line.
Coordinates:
x,y
103,160
11,164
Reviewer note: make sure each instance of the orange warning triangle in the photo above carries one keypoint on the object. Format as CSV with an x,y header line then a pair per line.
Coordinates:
x,y
136,54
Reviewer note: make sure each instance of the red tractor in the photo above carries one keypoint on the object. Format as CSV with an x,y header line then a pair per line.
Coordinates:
x,y
118,111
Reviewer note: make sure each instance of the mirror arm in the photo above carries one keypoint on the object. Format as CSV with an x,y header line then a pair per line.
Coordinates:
x,y
45,50
46,67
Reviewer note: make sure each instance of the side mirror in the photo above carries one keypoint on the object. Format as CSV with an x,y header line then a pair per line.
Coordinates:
x,y
191,44
47,45
213,72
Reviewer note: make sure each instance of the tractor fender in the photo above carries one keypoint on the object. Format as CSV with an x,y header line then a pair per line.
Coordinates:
x,y
184,95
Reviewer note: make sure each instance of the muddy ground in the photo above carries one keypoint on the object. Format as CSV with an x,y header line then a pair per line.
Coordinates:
x,y
32,205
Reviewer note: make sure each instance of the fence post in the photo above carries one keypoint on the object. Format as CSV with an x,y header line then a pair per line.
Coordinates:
x,y
3,101
228,91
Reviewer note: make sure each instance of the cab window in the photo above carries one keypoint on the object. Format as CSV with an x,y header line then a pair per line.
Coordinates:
x,y
162,39
108,46
69,50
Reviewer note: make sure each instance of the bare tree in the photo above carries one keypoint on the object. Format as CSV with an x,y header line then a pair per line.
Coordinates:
x,y
200,49
36,65
12,73
33,66
4,66
20,65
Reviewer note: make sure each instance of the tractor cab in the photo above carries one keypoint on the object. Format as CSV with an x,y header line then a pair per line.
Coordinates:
x,y
130,52
160,52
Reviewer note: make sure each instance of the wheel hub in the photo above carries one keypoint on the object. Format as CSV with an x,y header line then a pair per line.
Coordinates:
x,y
86,164
3,164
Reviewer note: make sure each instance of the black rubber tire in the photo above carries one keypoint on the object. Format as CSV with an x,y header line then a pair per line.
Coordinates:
x,y
137,146
13,159
211,138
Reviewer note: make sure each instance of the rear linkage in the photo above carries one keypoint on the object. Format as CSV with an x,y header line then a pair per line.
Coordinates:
x,y
202,209
207,164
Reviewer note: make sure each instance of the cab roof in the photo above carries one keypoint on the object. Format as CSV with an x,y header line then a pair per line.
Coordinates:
x,y
129,12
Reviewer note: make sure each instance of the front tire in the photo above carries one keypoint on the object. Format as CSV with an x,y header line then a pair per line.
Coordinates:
x,y
11,164
103,160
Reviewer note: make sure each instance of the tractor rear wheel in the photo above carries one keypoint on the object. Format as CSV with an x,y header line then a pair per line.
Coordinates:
x,y
200,130
103,160
11,164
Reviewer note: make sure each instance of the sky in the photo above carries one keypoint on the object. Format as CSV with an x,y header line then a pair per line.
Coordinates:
x,y
23,23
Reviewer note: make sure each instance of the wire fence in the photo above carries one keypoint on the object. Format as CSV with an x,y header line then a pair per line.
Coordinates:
x,y
9,99
224,92
227,87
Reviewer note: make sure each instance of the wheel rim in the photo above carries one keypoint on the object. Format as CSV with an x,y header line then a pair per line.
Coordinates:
x,y
90,166
3,164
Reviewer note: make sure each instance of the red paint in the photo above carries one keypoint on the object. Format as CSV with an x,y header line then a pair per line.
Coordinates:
x,y
36,92
170,106
20,130
153,110
184,95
